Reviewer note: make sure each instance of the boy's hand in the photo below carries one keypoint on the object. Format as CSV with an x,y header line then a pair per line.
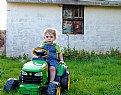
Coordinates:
x,y
62,62
35,56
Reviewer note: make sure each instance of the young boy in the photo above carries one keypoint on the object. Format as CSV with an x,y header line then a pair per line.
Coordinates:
x,y
54,51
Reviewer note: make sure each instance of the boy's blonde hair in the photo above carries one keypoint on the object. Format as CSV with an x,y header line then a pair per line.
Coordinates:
x,y
50,31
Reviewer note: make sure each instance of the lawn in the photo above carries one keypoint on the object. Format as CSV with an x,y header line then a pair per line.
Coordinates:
x,y
99,77
102,77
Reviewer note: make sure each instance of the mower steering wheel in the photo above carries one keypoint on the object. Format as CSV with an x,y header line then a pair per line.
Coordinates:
x,y
40,51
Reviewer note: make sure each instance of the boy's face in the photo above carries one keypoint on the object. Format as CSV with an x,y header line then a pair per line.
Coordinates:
x,y
49,38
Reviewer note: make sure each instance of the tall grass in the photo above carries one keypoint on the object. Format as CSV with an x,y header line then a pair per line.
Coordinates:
x,y
91,73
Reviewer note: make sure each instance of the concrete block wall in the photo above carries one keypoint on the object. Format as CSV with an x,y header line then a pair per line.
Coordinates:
x,y
26,22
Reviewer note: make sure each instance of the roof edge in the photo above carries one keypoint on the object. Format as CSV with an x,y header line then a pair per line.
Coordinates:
x,y
71,2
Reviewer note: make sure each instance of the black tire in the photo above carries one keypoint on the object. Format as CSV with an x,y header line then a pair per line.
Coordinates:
x,y
11,84
43,90
53,88
65,81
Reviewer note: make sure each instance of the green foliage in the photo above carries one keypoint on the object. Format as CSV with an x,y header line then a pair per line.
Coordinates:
x,y
3,54
83,55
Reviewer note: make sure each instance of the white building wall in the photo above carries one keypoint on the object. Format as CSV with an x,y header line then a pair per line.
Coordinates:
x,y
26,22
102,28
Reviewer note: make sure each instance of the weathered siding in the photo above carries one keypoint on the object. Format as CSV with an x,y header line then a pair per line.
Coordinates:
x,y
26,23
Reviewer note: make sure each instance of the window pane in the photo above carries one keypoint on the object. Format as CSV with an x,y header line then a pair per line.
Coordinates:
x,y
67,13
77,12
77,27
67,27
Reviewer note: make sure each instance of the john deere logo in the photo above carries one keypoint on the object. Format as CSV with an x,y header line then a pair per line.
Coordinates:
x,y
30,74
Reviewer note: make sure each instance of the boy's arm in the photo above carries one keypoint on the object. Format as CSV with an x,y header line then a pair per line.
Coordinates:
x,y
59,53
60,56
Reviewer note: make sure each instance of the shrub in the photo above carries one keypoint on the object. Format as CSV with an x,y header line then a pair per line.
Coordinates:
x,y
83,55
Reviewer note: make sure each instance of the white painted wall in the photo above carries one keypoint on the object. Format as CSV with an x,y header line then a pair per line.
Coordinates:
x,y
26,23
102,28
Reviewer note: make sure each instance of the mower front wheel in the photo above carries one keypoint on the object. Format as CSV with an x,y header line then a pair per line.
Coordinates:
x,y
11,85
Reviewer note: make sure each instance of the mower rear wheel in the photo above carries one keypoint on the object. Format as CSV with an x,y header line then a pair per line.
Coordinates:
x,y
65,81
53,88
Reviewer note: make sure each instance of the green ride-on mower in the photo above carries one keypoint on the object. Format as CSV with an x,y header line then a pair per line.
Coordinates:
x,y
34,77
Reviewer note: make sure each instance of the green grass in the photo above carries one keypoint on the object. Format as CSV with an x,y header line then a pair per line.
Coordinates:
x,y
9,68
99,77
102,77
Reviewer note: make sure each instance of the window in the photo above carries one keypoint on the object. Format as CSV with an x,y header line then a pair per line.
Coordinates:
x,y
73,19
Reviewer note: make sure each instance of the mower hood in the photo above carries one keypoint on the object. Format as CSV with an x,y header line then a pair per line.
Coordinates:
x,y
35,66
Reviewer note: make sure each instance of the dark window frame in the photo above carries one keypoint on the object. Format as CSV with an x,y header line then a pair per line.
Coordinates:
x,y
73,15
